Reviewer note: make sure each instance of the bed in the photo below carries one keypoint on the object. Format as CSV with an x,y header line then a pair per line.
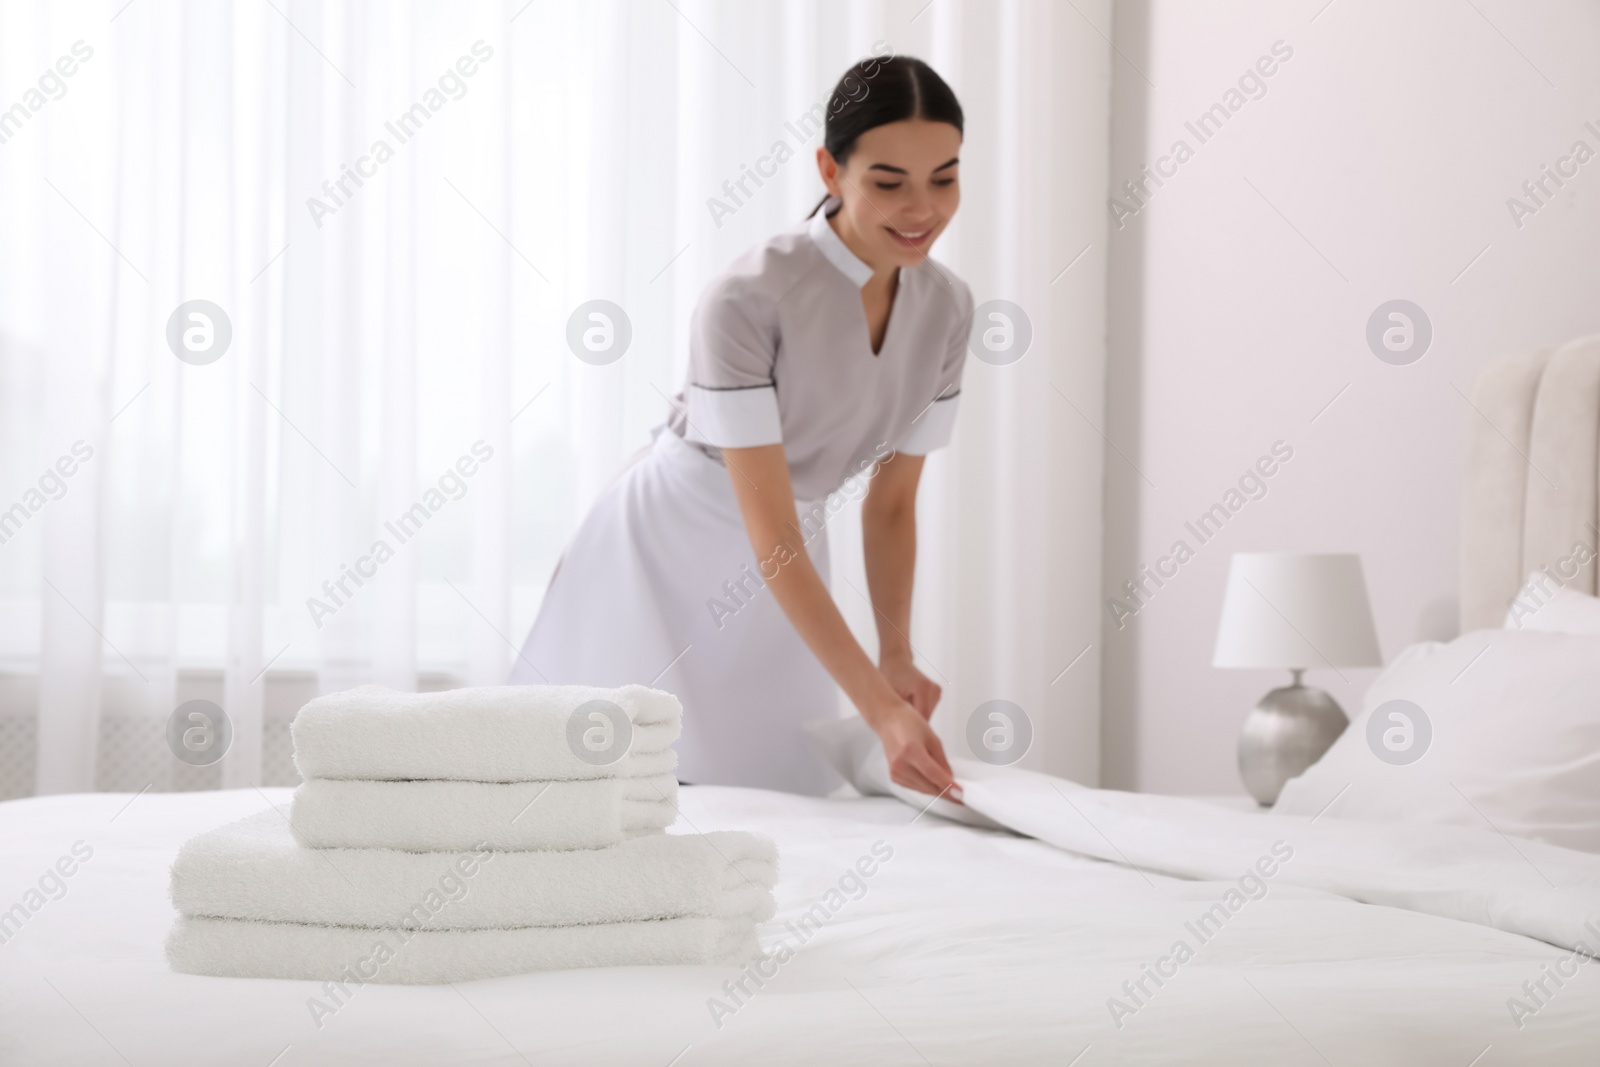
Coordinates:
x,y
1048,939
966,946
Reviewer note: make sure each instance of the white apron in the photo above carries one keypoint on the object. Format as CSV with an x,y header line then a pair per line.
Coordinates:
x,y
660,587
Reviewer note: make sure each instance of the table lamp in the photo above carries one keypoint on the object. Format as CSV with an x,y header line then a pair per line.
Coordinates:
x,y
1293,611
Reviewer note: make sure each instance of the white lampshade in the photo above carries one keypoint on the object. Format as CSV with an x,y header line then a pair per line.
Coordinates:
x,y
1296,611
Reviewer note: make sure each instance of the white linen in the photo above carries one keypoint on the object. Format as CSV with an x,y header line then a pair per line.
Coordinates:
x,y
1527,888
234,948
1514,718
966,946
254,869
442,816
1448,871
480,734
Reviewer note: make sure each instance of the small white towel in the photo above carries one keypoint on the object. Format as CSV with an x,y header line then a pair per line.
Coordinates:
x,y
254,869
445,816
233,948
504,733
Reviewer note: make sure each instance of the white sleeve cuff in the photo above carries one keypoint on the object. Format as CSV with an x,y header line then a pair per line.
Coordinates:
x,y
932,429
733,418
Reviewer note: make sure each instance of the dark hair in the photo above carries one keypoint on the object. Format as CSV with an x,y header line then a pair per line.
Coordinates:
x,y
876,92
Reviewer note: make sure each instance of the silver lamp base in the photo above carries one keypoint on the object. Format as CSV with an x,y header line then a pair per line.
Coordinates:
x,y
1286,733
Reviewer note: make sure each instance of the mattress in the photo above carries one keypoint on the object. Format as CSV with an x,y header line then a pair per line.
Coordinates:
x,y
899,939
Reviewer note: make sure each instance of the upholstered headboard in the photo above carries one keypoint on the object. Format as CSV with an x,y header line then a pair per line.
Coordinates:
x,y
1531,485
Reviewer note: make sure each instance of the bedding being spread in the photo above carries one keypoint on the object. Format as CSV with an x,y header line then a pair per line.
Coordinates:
x,y
1475,875
1478,876
900,938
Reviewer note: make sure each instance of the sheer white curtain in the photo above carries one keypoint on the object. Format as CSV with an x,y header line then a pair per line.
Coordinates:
x,y
397,208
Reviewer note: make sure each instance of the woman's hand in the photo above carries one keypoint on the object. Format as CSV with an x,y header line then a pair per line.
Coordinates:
x,y
916,758
911,685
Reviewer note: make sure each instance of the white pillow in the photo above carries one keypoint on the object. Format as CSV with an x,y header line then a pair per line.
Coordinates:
x,y
1514,717
855,752
1564,610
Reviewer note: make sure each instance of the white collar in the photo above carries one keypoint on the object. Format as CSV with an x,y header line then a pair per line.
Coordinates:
x,y
852,266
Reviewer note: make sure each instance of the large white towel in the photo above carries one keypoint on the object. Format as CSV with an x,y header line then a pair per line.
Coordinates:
x,y
445,816
254,869
505,733
234,948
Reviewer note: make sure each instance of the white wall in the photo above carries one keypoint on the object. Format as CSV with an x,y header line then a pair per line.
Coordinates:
x,y
1376,166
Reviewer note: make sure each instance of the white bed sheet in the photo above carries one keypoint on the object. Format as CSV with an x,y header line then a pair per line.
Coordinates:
x,y
967,947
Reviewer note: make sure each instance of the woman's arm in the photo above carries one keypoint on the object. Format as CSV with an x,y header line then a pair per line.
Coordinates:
x,y
889,538
760,479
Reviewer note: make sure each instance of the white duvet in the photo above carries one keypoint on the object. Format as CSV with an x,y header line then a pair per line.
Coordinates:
x,y
899,939
1477,876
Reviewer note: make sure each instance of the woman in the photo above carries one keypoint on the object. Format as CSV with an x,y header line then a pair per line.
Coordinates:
x,y
823,360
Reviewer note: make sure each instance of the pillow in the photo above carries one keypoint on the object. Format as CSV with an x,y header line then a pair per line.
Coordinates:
x,y
1565,611
1498,728
855,752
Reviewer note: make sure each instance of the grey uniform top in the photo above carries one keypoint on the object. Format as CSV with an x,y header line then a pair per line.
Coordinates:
x,y
779,352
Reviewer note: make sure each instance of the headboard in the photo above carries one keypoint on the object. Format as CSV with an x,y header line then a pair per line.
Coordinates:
x,y
1531,485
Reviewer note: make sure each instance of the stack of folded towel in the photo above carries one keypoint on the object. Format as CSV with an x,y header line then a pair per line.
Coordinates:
x,y
446,836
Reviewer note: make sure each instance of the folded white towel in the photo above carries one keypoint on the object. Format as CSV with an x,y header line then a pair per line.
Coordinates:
x,y
254,869
444,816
234,948
505,733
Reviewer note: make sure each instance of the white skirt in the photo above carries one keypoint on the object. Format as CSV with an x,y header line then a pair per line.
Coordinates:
x,y
661,587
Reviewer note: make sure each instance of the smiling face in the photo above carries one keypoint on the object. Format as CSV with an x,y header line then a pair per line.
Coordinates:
x,y
898,190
